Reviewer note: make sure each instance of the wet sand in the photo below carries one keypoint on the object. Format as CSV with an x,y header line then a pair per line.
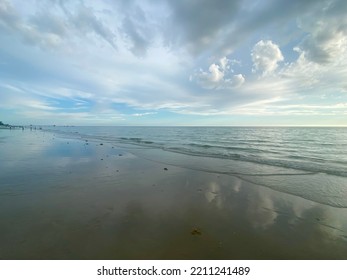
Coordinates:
x,y
64,198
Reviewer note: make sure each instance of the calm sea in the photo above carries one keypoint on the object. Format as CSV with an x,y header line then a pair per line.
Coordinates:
x,y
310,162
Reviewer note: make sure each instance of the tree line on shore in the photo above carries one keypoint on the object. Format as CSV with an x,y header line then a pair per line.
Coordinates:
x,y
10,126
3,124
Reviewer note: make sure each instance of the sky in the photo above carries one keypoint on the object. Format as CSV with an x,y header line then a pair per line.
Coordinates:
x,y
173,62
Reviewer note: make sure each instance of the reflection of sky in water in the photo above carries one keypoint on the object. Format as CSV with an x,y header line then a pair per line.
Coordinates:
x,y
69,149
212,194
60,200
260,211
319,187
281,216
21,146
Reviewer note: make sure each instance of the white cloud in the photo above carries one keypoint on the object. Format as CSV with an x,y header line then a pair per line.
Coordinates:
x,y
143,114
22,101
265,56
225,63
237,80
215,75
218,76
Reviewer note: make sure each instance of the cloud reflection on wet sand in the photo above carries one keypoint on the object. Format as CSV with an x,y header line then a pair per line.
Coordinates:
x,y
126,207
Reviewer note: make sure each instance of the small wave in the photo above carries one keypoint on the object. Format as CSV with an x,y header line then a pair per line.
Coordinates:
x,y
135,140
285,167
306,158
201,145
275,154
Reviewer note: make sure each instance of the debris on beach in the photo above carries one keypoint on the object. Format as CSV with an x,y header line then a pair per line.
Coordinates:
x,y
196,231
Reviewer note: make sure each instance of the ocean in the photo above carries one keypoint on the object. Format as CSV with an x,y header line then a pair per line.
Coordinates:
x,y
309,162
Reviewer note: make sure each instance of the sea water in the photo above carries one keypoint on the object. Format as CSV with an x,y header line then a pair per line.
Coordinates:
x,y
310,162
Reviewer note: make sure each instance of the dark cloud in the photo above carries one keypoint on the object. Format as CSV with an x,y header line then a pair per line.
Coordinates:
x,y
138,24
197,24
336,8
220,26
8,16
49,23
273,13
137,30
138,42
327,37
85,21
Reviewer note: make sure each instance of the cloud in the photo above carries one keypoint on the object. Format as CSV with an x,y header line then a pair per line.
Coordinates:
x,y
219,27
321,67
218,76
8,15
224,63
143,114
84,20
265,56
197,24
49,23
135,29
54,27
212,78
255,17
326,41
12,22
21,100
136,56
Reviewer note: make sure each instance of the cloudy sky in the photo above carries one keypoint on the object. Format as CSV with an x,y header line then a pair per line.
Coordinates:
x,y
173,62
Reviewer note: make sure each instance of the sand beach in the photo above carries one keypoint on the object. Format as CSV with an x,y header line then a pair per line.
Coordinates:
x,y
66,198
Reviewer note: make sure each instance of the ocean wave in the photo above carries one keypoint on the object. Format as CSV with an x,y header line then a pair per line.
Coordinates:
x,y
276,155
289,166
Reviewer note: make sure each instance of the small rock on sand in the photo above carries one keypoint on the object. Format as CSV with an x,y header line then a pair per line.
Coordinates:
x,y
196,231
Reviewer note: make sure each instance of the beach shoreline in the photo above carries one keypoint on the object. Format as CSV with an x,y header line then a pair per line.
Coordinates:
x,y
69,198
